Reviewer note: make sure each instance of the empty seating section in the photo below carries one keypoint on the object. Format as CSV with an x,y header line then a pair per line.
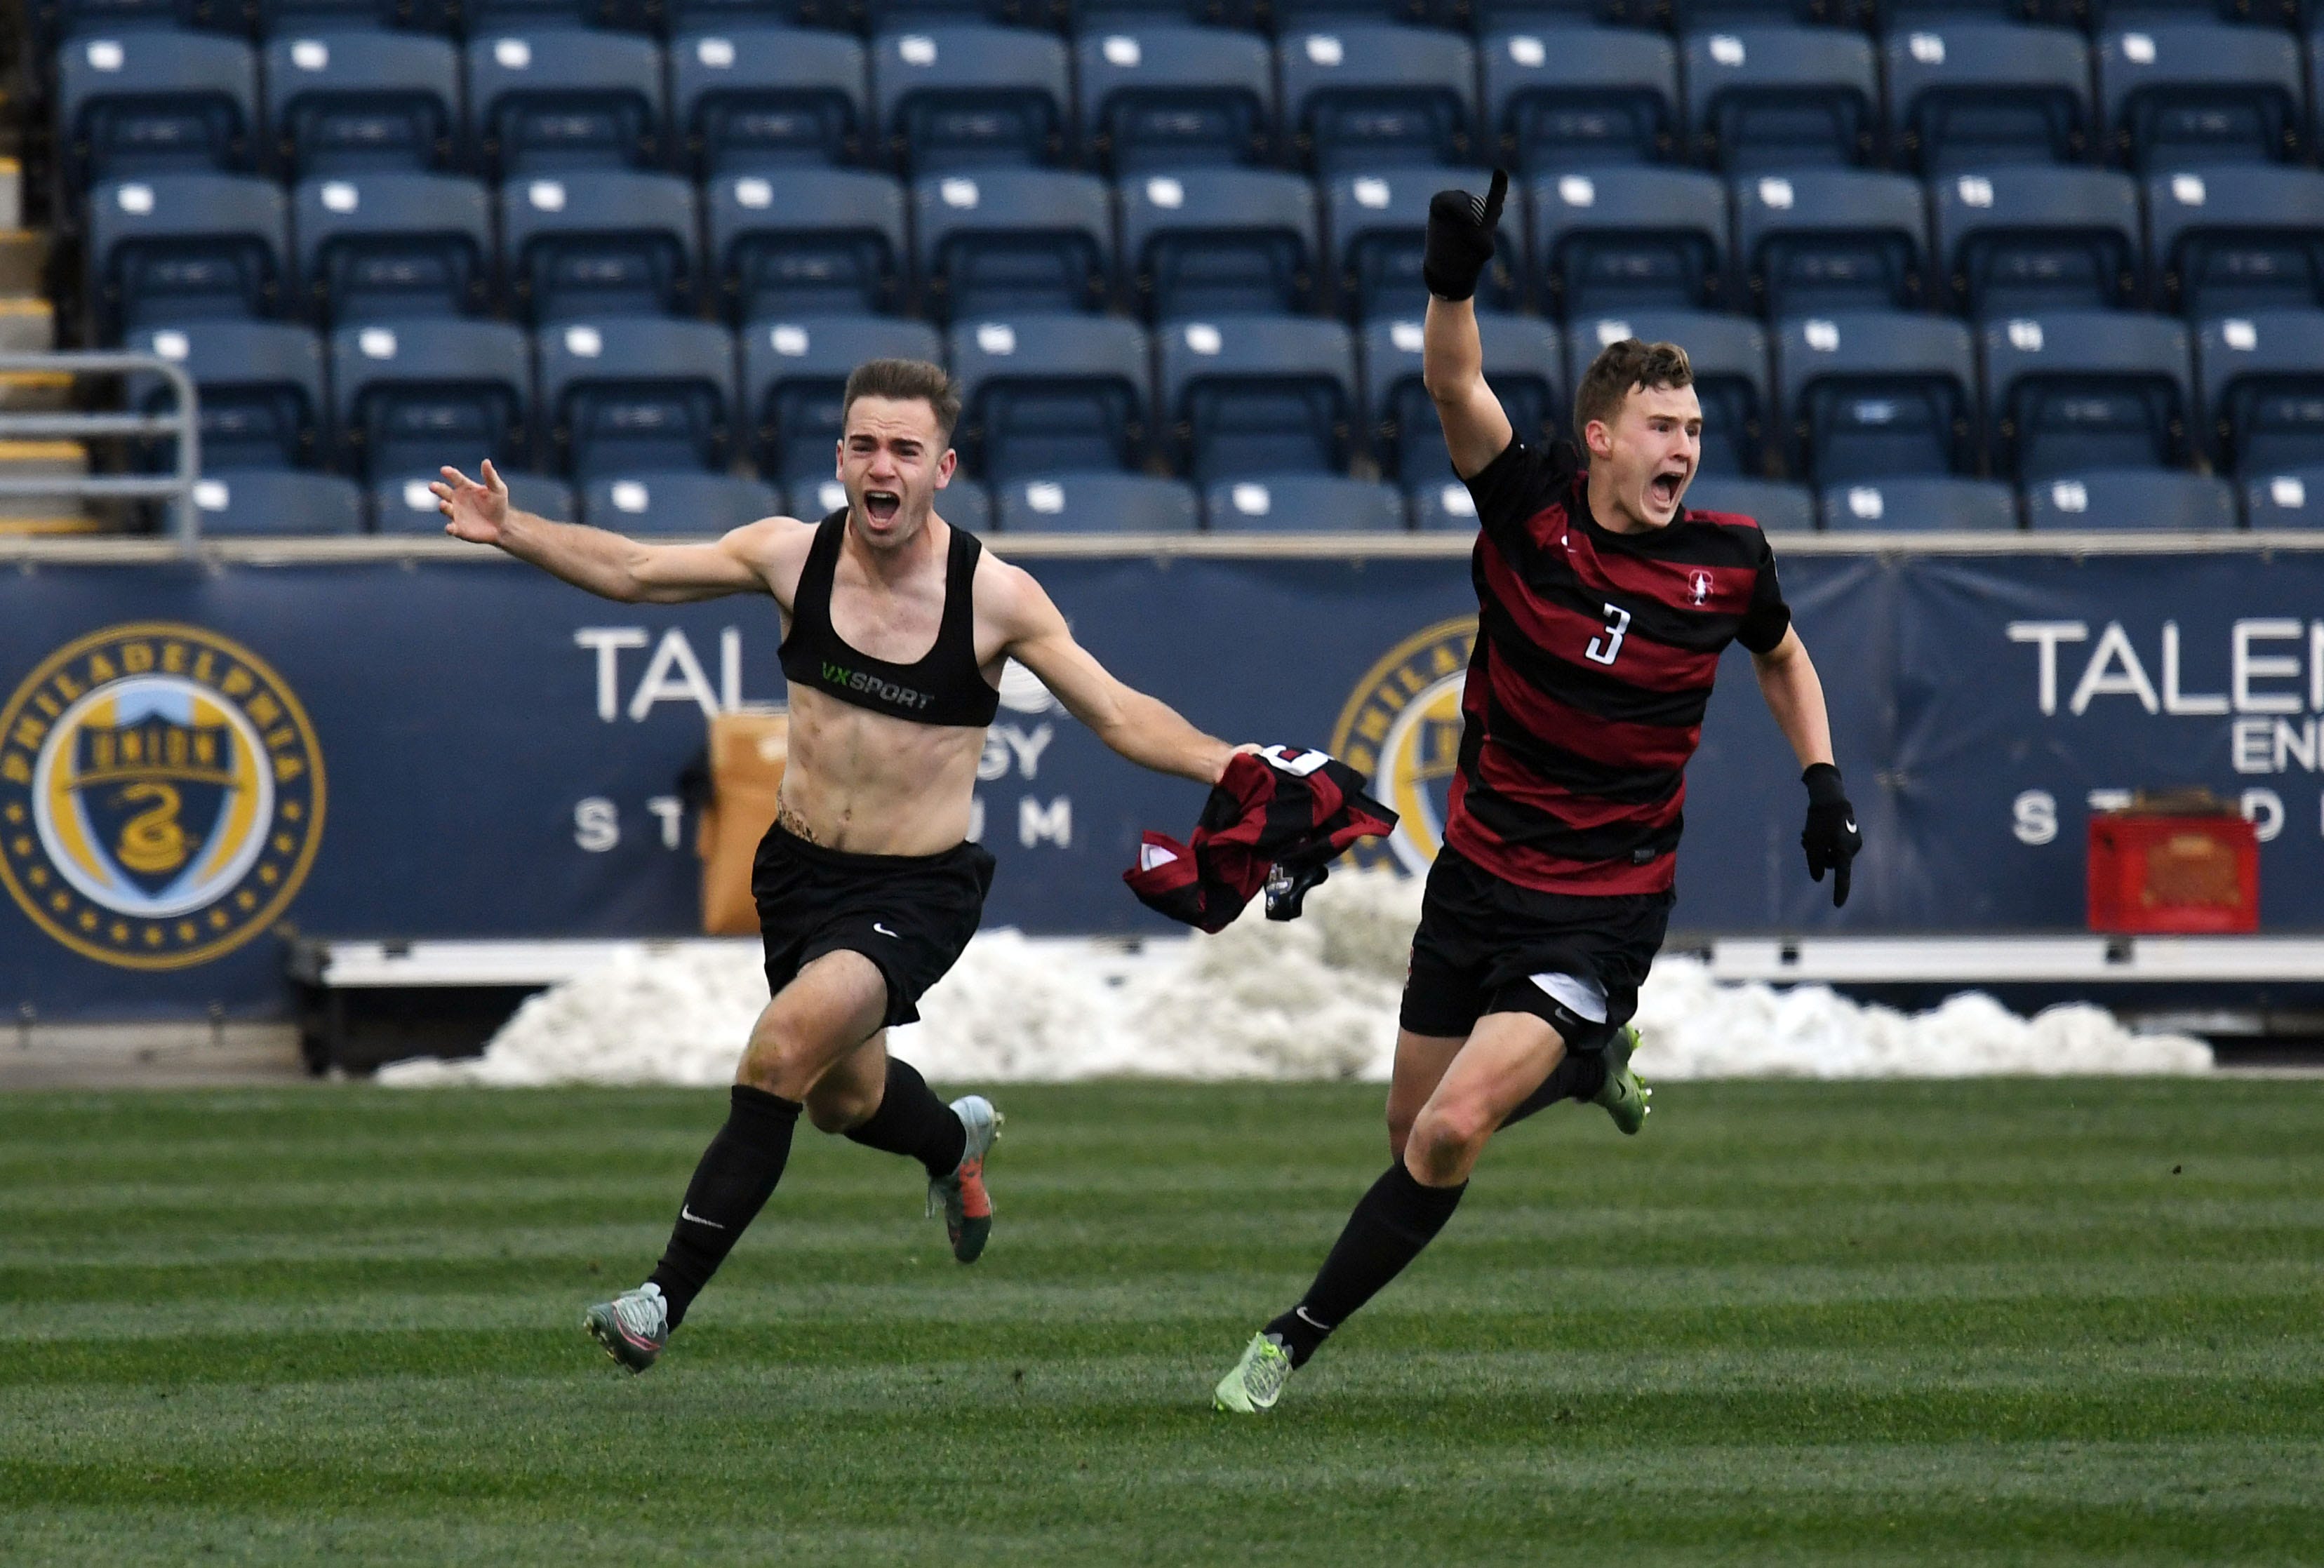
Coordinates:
x,y
2179,92
1377,226
350,103
614,242
1978,94
1630,239
2076,389
1830,240
963,96
2262,390
803,241
1165,97
633,396
1367,95
1050,394
747,99
1207,241
2028,238
1870,393
1579,97
377,248
1780,97
554,100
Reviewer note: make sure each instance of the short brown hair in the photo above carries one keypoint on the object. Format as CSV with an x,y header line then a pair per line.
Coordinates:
x,y
1620,369
905,380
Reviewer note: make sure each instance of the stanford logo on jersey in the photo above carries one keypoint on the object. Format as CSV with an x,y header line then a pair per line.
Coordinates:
x,y
1700,584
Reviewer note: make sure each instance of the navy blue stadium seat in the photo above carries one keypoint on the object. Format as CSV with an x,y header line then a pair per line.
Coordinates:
x,y
262,504
1098,503
964,96
1444,506
2263,382
1303,503
2029,238
2288,499
963,502
409,398
1630,239
2199,92
693,505
1524,366
794,371
2132,498
1579,97
1871,393
1776,508
1177,98
1729,355
1780,97
2088,389
1830,239
1980,94
1051,394
1377,224
614,242
748,100
1257,395
1206,241
553,100
1370,95
2236,239
1000,241
261,387
808,240
344,102
285,18
407,505
636,395
381,247
137,102
1921,505
184,247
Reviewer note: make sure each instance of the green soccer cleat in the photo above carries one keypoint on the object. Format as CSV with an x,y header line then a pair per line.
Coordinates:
x,y
632,1327
1257,1381
1624,1097
961,1197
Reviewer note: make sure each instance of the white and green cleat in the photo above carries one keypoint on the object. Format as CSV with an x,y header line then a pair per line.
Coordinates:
x,y
632,1328
1257,1381
961,1198
1624,1097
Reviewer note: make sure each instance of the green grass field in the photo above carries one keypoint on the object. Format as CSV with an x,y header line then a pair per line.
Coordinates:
x,y
1965,1323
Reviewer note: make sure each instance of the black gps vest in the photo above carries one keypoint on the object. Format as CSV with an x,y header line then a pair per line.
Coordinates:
x,y
945,687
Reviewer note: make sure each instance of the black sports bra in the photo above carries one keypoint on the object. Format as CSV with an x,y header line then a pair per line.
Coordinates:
x,y
945,687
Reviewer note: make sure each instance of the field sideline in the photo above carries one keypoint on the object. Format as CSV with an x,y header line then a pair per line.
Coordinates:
x,y
1989,1323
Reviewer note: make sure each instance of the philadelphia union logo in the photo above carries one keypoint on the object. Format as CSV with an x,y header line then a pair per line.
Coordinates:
x,y
161,796
1401,729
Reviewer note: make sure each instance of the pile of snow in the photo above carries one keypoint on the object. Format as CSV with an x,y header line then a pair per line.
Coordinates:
x,y
1311,998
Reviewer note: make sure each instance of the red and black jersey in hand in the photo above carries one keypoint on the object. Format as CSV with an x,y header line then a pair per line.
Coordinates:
x,y
1595,656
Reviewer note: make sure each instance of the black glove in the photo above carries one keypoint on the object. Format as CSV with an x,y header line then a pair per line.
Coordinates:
x,y
1460,238
1830,839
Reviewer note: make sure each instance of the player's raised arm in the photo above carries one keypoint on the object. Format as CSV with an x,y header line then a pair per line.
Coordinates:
x,y
1451,358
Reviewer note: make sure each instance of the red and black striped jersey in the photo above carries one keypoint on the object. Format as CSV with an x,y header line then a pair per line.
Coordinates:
x,y
1595,656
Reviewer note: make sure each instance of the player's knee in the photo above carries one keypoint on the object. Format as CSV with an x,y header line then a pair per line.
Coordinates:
x,y
1446,1139
774,1063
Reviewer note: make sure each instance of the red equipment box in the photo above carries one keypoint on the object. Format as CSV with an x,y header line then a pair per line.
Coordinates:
x,y
2173,866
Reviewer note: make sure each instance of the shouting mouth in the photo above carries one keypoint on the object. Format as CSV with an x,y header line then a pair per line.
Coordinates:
x,y
882,505
1665,488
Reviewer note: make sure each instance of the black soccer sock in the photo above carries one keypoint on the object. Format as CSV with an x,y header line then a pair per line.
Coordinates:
x,y
737,1174
1578,1076
911,1120
1391,1224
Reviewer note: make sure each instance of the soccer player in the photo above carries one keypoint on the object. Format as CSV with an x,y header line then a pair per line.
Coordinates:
x,y
897,625
1603,604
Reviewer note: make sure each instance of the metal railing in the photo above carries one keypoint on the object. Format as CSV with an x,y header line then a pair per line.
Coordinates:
x,y
183,422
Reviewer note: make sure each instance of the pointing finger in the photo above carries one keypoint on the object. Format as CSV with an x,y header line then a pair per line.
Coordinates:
x,y
1494,197
1840,884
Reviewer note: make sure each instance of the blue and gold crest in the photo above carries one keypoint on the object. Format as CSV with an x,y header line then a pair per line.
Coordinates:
x,y
161,796
1401,729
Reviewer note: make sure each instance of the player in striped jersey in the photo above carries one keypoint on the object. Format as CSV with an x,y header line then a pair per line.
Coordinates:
x,y
1603,606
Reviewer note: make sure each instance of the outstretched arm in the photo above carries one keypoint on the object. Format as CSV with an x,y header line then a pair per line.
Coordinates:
x,y
1461,230
1787,679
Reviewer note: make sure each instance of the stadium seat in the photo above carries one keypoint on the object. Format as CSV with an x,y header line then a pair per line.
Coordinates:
x,y
807,241
1776,508
2236,239
1524,366
636,396
2191,93
408,506
1781,99
1176,97
137,102
1729,355
2134,498
1212,241
2076,389
1377,224
257,502
346,102
261,386
2026,238
749,99
794,371
409,398
1830,239
1370,95
1303,503
1977,94
1050,394
963,502
1562,98
381,247
2263,382
1629,240
964,96
2290,500
1873,394
1098,503
1443,507
1007,240
1920,505
688,505
184,247
614,242
557,100
1257,395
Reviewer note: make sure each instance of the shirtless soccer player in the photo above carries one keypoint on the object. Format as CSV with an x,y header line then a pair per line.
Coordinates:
x,y
896,628
1603,605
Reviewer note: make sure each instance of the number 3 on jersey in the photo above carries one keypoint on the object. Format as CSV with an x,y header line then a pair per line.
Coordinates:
x,y
1608,643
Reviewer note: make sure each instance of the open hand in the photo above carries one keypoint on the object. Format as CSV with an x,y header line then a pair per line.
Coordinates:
x,y
477,513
